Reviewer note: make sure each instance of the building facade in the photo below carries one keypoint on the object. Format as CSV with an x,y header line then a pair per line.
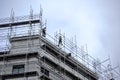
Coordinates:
x,y
34,57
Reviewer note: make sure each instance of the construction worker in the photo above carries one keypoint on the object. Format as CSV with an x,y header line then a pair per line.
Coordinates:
x,y
60,40
112,79
44,32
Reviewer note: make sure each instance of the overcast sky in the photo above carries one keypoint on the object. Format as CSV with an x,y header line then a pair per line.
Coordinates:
x,y
94,22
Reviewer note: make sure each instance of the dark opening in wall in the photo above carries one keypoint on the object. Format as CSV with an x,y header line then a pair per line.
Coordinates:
x,y
18,69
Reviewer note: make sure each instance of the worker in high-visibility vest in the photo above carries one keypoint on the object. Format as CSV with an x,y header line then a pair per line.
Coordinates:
x,y
44,32
60,40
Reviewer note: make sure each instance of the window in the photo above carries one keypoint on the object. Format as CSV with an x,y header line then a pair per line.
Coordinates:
x,y
45,71
18,69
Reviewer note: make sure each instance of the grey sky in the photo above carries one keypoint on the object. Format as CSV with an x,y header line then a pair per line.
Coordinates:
x,y
94,22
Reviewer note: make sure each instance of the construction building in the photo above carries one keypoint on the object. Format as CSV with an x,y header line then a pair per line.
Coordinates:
x,y
32,54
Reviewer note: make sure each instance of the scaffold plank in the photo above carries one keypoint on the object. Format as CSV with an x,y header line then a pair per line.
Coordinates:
x,y
19,23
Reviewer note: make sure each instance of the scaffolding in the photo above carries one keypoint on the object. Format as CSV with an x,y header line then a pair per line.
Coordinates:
x,y
31,25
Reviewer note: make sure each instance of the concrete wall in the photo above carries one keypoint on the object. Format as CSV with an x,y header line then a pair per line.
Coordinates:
x,y
25,46
28,46
30,65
